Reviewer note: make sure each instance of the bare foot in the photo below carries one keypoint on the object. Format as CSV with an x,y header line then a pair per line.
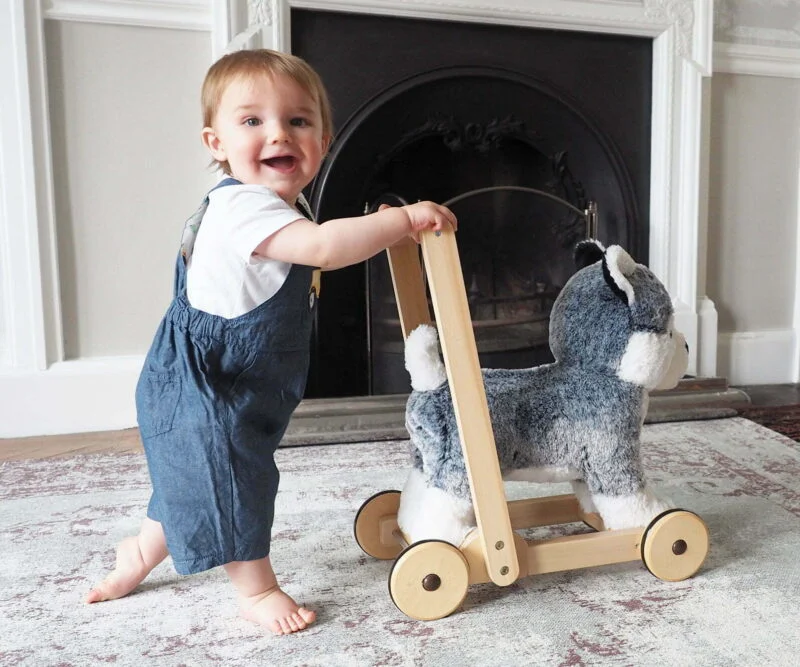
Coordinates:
x,y
136,557
276,611
127,574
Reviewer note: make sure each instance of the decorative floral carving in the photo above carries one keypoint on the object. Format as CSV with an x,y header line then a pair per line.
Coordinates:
x,y
259,12
480,137
680,13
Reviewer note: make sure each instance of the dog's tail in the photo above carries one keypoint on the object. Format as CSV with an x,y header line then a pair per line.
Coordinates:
x,y
422,359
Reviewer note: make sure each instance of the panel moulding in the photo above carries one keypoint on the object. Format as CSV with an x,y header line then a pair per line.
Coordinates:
x,y
175,14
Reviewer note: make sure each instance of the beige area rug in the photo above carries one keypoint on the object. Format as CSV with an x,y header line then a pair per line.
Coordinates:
x,y
59,521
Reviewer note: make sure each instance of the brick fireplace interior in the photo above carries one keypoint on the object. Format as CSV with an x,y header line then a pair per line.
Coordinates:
x,y
435,110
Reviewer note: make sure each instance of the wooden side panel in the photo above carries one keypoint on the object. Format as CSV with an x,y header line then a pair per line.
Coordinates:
x,y
469,400
409,286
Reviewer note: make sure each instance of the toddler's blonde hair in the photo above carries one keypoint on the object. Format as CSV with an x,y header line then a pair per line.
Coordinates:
x,y
254,62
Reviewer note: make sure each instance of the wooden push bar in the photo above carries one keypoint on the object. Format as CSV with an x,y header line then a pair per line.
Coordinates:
x,y
409,286
460,354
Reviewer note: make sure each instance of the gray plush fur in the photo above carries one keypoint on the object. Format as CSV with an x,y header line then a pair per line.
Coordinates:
x,y
578,419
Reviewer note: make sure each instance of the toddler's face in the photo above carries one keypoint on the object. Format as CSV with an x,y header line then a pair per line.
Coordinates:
x,y
270,132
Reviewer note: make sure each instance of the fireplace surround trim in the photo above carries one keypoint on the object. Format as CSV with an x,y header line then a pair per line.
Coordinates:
x,y
682,32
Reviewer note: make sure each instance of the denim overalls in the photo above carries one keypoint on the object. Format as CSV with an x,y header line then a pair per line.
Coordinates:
x,y
213,401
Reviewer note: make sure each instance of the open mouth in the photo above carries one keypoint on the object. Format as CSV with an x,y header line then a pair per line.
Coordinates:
x,y
281,163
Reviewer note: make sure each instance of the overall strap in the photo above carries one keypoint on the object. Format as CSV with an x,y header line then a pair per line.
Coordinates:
x,y
304,207
190,234
230,180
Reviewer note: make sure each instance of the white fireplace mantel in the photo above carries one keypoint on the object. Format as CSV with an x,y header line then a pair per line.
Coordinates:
x,y
682,33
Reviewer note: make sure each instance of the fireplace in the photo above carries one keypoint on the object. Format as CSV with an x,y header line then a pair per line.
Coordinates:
x,y
522,129
679,36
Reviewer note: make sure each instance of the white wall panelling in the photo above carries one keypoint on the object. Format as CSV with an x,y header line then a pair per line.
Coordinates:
x,y
761,357
795,377
29,305
757,60
40,391
175,14
794,353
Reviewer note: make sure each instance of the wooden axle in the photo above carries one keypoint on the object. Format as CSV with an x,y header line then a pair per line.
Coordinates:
x,y
539,556
560,553
533,512
526,513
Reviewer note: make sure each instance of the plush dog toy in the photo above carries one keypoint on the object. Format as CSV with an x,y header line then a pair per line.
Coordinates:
x,y
578,419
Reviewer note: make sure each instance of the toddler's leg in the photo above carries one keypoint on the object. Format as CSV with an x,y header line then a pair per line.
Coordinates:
x,y
136,557
262,601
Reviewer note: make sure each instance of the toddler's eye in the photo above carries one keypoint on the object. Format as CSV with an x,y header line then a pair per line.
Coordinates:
x,y
252,122
299,122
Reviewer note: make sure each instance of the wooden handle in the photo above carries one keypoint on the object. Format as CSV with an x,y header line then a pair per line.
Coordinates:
x,y
409,287
460,353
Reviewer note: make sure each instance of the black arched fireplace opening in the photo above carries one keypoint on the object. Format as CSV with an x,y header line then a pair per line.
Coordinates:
x,y
520,157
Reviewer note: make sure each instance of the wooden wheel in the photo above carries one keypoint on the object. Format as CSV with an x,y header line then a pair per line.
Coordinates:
x,y
674,545
429,580
373,525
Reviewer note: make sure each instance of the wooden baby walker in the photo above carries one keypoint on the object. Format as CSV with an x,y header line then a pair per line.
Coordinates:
x,y
429,579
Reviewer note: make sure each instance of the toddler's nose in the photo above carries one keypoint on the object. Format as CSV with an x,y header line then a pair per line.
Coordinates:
x,y
278,134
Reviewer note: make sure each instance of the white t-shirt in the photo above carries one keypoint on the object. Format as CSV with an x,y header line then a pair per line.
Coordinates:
x,y
223,277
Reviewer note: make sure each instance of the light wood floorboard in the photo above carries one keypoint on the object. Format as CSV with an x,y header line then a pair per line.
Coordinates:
x,y
52,446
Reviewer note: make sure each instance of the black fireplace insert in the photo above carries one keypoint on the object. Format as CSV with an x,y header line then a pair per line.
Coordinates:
x,y
534,138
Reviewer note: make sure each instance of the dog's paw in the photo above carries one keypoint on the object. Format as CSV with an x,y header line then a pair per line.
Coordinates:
x,y
428,513
632,511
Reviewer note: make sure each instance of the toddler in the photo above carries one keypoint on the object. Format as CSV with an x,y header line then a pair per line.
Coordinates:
x,y
229,360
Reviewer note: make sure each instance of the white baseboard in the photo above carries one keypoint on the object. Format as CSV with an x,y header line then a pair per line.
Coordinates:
x,y
758,357
70,397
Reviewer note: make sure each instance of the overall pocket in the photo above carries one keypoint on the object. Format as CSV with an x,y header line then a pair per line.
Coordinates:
x,y
157,397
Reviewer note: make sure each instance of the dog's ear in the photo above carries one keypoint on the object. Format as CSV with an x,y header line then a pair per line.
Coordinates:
x,y
587,253
617,265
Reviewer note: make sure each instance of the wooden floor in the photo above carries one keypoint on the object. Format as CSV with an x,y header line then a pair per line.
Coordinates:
x,y
51,446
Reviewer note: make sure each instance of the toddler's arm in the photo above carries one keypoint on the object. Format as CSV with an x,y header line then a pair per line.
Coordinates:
x,y
347,241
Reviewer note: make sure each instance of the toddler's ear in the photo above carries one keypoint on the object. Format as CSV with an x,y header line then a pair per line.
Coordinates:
x,y
212,142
